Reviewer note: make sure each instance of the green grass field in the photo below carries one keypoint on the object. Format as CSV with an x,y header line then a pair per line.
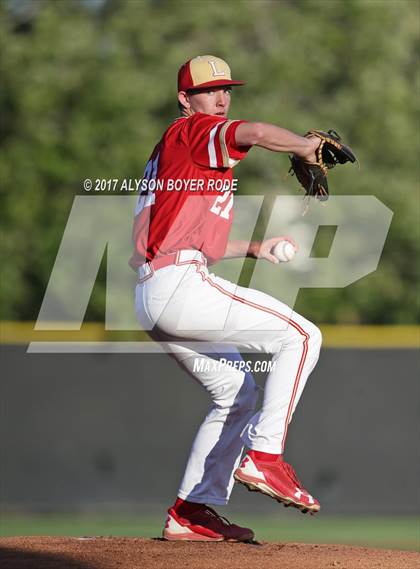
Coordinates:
x,y
385,532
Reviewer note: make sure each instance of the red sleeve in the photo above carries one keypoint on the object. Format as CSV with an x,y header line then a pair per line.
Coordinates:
x,y
212,141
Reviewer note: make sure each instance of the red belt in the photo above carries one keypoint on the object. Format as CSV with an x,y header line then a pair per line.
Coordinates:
x,y
164,261
183,257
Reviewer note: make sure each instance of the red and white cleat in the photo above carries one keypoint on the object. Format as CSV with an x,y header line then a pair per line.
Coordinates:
x,y
276,479
203,525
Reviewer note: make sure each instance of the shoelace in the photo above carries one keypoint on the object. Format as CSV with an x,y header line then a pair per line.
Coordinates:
x,y
214,514
292,474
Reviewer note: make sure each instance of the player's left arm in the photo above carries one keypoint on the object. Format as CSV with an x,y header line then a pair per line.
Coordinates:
x,y
276,139
255,249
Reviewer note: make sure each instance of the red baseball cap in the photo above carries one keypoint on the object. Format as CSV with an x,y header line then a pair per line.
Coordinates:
x,y
205,71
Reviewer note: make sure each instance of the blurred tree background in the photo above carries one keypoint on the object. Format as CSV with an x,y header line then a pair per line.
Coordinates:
x,y
88,86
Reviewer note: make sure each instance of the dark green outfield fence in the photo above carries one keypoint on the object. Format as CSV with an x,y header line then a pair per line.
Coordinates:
x,y
104,432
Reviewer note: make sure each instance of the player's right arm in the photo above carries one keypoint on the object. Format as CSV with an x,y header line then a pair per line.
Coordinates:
x,y
256,249
276,139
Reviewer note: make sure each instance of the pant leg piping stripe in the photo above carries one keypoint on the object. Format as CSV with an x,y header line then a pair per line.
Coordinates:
x,y
284,318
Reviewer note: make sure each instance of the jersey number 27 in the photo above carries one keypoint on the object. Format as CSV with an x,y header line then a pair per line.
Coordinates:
x,y
147,197
222,205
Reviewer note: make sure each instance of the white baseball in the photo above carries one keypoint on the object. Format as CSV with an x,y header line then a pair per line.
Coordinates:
x,y
284,251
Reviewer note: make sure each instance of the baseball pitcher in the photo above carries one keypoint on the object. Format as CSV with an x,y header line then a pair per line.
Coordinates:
x,y
181,228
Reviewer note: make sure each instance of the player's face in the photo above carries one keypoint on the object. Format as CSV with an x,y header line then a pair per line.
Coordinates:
x,y
210,101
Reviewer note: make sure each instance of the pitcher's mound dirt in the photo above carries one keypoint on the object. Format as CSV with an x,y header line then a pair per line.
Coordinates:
x,y
137,553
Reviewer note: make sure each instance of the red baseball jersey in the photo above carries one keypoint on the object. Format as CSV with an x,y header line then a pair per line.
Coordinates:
x,y
181,206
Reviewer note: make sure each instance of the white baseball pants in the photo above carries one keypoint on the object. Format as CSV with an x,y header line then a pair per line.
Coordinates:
x,y
185,304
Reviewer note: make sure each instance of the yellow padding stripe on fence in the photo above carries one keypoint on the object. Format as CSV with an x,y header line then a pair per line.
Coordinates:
x,y
334,336
337,336
24,333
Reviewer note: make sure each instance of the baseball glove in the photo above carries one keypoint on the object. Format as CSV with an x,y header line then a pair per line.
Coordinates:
x,y
313,176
